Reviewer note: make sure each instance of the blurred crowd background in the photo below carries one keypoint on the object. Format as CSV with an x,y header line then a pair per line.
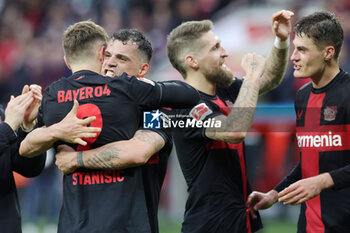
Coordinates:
x,y
31,52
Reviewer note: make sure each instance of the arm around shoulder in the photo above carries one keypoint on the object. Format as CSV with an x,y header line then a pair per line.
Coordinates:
x,y
178,94
116,155
71,130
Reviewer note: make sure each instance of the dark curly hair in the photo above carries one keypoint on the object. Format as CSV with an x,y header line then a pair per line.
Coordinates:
x,y
323,28
144,45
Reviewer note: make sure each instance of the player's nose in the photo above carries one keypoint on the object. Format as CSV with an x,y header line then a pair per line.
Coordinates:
x,y
224,52
294,55
112,64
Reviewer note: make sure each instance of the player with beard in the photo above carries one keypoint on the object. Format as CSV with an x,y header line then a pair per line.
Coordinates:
x,y
99,200
212,159
128,51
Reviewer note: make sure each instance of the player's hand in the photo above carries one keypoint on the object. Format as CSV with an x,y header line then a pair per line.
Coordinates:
x,y
253,65
305,189
260,201
32,111
14,112
281,24
72,129
66,159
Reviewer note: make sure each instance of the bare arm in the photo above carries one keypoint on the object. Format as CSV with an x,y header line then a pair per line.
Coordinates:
x,y
70,130
276,63
305,189
235,126
260,201
115,155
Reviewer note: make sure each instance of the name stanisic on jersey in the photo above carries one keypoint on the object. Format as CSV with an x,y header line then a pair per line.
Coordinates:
x,y
97,177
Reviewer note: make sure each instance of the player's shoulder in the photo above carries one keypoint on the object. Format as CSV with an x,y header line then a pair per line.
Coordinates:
x,y
132,80
55,85
304,89
237,81
231,91
345,77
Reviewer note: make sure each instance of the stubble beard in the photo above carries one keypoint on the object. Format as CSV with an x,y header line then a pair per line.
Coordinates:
x,y
220,76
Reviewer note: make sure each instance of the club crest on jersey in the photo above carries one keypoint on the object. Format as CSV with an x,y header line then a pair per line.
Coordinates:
x,y
200,111
330,113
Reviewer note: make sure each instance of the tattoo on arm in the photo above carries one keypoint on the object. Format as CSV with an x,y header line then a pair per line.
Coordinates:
x,y
104,159
116,156
150,137
241,115
275,69
253,64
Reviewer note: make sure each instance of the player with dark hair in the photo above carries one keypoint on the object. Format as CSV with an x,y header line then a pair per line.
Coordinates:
x,y
98,200
212,159
136,62
320,182
21,110
130,51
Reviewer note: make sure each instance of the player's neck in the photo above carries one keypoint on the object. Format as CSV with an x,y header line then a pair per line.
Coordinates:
x,y
86,66
325,77
202,84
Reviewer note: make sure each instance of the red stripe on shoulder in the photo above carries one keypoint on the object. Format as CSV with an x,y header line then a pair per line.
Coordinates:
x,y
83,76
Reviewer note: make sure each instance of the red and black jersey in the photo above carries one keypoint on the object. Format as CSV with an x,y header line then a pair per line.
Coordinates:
x,y
96,200
323,140
215,171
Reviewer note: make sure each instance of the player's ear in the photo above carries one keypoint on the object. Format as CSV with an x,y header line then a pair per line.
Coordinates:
x,y
101,53
67,64
329,53
192,62
143,70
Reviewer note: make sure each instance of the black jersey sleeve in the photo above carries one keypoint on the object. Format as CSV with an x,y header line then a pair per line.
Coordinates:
x,y
341,177
28,167
163,133
178,94
145,92
7,137
292,177
149,94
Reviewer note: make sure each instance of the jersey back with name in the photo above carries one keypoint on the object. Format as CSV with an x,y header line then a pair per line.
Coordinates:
x,y
97,200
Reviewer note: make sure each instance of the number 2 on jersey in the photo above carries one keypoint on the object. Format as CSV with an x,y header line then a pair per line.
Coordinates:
x,y
88,110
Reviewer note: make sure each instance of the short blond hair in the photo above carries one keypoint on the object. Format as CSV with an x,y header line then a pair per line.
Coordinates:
x,y
185,39
79,40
